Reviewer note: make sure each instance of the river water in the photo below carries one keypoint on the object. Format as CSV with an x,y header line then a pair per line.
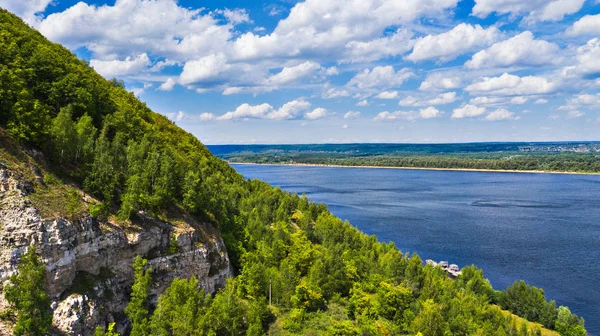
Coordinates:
x,y
542,228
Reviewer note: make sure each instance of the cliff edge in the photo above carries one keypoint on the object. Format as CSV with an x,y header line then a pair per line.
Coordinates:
x,y
88,261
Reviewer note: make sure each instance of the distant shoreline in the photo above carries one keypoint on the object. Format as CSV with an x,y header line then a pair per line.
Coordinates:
x,y
417,168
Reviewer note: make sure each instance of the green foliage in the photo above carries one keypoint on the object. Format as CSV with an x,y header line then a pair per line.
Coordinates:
x,y
308,298
27,295
472,279
430,321
494,156
137,309
179,308
73,203
64,135
344,328
568,324
173,245
529,302
227,312
98,211
110,331
50,179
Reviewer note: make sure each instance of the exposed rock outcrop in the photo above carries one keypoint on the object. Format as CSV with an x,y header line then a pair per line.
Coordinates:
x,y
88,268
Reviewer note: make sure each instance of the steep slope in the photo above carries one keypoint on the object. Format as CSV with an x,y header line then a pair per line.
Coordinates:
x,y
91,178
89,260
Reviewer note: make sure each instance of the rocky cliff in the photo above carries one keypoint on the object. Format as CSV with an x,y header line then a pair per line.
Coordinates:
x,y
89,272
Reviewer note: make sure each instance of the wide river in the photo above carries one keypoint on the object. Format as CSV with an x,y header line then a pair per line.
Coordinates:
x,y
542,228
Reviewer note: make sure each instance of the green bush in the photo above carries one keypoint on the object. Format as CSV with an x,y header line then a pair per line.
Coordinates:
x,y
50,179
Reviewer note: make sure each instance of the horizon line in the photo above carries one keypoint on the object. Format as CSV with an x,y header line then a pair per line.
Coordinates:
x,y
411,143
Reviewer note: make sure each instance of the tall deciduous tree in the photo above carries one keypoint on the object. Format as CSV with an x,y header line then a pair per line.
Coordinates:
x,y
178,309
27,295
137,309
430,321
64,136
86,135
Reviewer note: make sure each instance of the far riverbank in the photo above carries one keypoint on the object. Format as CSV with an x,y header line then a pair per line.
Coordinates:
x,y
417,168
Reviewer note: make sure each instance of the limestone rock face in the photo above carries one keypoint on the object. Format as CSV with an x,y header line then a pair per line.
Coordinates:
x,y
88,264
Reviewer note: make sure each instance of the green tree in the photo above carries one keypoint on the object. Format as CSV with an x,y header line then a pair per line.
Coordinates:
x,y
27,295
103,176
429,321
86,135
64,136
178,308
529,302
308,298
393,300
137,309
227,315
568,324
472,279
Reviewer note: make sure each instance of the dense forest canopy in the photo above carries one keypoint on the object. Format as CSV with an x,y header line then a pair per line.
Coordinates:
x,y
300,270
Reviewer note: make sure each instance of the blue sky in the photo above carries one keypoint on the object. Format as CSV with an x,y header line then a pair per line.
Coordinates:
x,y
315,71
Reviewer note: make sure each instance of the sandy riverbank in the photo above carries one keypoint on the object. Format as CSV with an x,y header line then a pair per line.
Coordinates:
x,y
418,168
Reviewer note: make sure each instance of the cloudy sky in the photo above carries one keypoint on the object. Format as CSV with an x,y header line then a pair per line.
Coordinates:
x,y
284,71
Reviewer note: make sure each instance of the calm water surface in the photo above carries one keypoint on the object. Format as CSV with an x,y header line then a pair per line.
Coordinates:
x,y
542,228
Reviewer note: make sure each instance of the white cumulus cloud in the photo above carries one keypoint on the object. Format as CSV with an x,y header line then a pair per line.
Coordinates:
x,y
331,27
500,114
315,114
335,93
447,46
129,66
204,69
168,85
247,111
381,77
537,10
522,49
207,117
429,113
587,60
294,73
351,115
468,111
439,81
159,27
365,51
511,85
443,99
290,110
388,95
589,24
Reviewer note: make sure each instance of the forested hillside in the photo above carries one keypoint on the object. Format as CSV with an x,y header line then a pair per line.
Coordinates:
x,y
300,270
